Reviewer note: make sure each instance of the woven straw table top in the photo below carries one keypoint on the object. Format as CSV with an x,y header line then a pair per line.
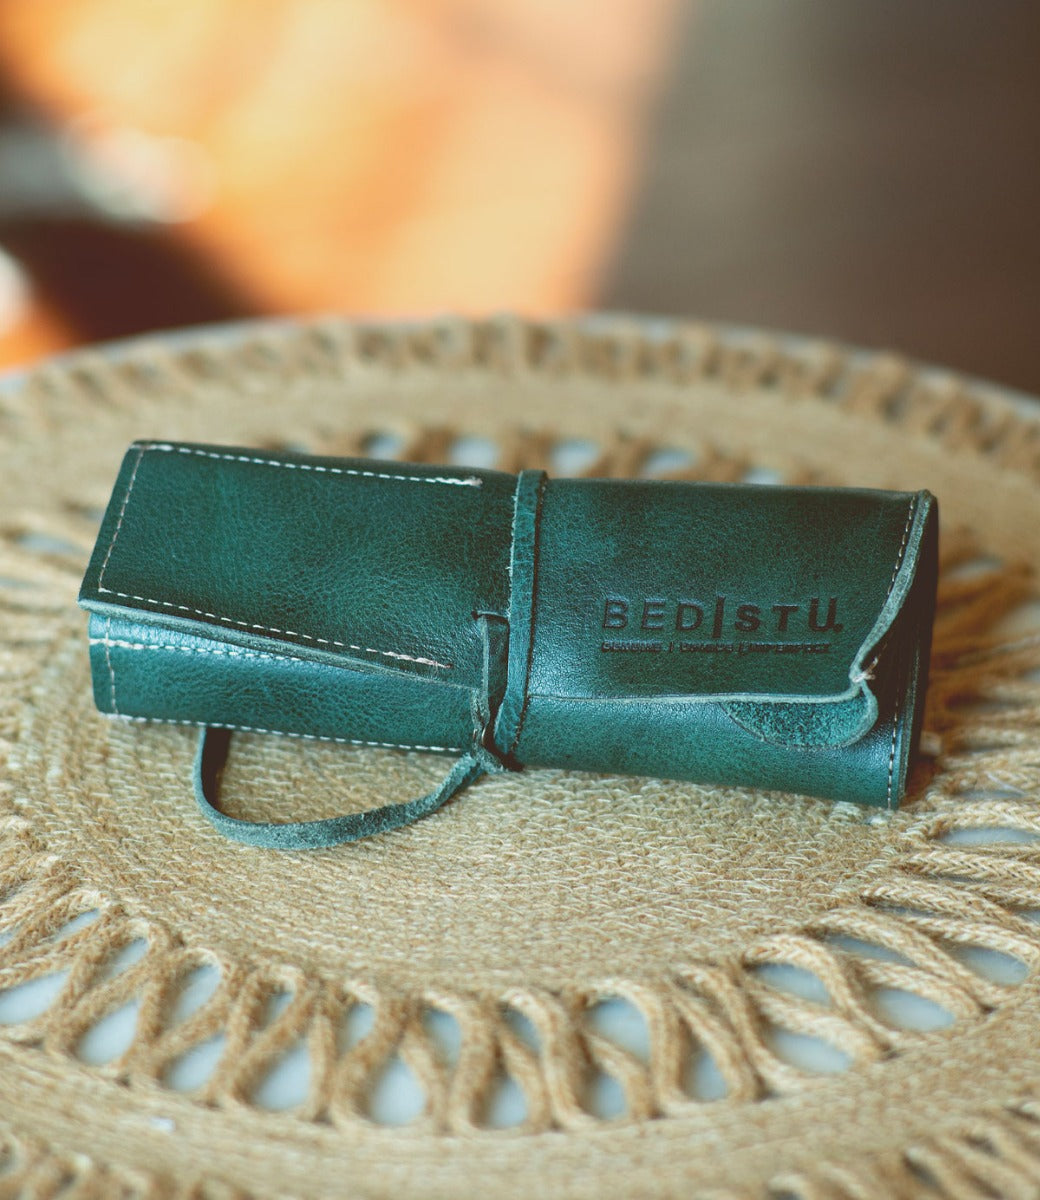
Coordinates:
x,y
477,951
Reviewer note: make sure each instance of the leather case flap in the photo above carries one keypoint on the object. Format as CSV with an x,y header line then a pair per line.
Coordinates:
x,y
776,602
337,559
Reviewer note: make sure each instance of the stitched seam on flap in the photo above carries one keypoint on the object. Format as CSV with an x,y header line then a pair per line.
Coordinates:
x,y
867,672
394,654
145,646
116,644
902,545
119,519
877,657
427,662
307,737
466,481
892,753
899,695
111,669
111,643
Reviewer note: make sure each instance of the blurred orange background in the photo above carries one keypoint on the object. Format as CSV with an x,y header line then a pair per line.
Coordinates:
x,y
861,171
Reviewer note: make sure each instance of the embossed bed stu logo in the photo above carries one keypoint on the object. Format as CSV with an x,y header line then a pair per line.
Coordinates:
x,y
655,614
713,626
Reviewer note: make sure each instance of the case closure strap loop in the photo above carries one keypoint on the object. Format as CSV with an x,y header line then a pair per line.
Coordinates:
x,y
314,835
490,753
523,573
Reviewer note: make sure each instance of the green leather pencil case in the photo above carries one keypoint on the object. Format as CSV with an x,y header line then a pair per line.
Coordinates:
x,y
771,637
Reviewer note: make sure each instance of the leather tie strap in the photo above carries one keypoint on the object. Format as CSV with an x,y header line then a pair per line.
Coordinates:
x,y
315,835
489,753
523,568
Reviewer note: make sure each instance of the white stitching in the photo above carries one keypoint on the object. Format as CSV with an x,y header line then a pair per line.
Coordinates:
x,y
902,546
895,715
109,642
115,643
108,659
892,754
467,481
122,514
309,737
868,670
427,662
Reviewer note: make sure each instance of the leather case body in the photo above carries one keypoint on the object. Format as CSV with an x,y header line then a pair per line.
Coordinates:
x,y
739,634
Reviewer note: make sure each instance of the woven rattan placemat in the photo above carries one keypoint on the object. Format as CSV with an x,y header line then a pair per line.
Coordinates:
x,y
533,899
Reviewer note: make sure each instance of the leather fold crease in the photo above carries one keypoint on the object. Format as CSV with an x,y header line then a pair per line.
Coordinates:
x,y
849,715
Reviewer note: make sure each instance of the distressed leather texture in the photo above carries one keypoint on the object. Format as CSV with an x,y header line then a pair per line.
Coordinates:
x,y
725,633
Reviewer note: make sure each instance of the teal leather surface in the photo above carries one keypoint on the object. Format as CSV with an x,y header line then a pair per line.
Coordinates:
x,y
771,637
